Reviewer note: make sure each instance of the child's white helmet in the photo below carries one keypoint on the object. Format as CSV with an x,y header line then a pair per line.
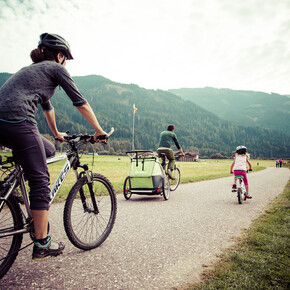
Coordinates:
x,y
241,149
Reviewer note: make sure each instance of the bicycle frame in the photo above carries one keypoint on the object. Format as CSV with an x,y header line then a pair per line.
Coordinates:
x,y
62,175
17,178
241,184
164,162
82,199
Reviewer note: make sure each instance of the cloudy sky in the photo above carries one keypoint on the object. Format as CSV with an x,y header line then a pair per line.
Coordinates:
x,y
159,44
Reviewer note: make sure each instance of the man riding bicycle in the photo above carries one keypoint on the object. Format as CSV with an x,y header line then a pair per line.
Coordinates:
x,y
166,139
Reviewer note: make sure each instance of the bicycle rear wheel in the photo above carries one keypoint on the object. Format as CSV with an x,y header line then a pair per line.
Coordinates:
x,y
86,228
166,188
240,195
10,219
175,182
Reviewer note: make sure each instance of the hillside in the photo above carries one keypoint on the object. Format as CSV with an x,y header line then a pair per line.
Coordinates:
x,y
247,108
196,128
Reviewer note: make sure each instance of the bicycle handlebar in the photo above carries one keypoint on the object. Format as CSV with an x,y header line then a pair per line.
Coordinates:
x,y
87,137
247,170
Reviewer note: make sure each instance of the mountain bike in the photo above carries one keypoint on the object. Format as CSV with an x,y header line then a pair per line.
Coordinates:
x,y
175,172
89,211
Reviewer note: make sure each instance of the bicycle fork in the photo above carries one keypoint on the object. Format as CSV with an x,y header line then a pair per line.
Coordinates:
x,y
89,175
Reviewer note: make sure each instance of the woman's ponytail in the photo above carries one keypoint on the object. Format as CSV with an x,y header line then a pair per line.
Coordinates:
x,y
37,55
45,53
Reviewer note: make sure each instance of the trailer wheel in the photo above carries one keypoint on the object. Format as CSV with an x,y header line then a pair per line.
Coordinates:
x,y
126,189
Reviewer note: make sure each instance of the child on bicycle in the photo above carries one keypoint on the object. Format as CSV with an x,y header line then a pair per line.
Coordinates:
x,y
239,166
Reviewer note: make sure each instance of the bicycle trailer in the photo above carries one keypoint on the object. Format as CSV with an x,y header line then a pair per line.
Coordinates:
x,y
146,176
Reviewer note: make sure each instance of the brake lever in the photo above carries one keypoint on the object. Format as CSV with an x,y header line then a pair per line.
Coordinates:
x,y
103,138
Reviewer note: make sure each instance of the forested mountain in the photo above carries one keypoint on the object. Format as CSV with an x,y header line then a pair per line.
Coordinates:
x,y
196,128
247,108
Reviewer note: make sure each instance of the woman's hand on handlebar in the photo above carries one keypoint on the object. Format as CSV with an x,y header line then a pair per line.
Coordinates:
x,y
60,136
101,136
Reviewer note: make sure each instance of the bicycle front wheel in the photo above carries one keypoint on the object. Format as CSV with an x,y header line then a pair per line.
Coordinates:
x,y
175,182
10,219
88,220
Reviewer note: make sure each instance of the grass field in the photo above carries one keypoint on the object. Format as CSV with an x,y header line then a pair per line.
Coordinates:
x,y
116,169
261,258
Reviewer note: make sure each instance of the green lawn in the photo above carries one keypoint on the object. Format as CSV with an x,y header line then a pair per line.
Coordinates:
x,y
261,258
116,168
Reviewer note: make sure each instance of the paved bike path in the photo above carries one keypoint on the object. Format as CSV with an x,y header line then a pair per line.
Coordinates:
x,y
155,244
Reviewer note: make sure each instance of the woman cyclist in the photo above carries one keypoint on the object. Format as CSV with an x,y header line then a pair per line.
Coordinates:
x,y
19,98
240,167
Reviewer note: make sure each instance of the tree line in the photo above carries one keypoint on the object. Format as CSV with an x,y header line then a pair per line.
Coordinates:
x,y
196,128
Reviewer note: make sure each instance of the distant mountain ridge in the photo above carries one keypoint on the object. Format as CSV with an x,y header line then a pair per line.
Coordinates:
x,y
196,128
249,108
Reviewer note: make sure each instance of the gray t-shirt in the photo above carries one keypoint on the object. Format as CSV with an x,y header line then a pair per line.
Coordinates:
x,y
33,85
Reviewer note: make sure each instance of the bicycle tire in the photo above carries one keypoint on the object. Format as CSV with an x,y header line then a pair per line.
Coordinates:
x,y
166,188
126,188
240,195
10,218
85,229
174,183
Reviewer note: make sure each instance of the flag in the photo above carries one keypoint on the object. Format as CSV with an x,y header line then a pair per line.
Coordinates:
x,y
134,108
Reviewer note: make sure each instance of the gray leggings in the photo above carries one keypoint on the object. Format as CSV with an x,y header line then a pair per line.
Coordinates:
x,y
30,150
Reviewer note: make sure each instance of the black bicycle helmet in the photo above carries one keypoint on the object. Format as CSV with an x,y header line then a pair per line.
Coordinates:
x,y
56,42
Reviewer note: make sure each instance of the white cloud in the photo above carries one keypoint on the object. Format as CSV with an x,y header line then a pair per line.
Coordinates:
x,y
159,44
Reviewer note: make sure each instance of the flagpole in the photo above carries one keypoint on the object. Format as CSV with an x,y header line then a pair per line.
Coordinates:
x,y
133,130
134,111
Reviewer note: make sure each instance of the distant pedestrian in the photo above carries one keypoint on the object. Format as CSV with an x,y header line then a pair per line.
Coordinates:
x,y
277,163
280,161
